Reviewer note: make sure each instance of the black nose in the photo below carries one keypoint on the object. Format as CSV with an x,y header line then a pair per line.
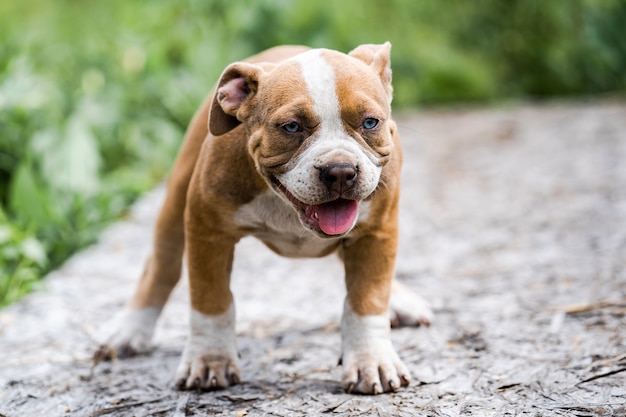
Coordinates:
x,y
339,177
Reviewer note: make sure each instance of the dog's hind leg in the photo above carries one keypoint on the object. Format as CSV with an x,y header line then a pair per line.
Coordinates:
x,y
163,269
406,308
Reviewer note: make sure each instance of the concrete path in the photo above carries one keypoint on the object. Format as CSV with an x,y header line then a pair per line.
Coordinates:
x,y
513,226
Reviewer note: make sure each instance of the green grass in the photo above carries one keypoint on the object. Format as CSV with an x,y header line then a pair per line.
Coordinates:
x,y
95,96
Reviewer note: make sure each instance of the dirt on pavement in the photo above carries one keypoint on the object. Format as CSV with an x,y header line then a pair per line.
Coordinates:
x,y
513,225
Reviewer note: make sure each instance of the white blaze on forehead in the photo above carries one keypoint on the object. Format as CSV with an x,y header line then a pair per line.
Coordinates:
x,y
331,142
319,77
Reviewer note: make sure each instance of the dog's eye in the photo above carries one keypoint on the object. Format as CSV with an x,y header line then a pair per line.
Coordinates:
x,y
370,123
291,127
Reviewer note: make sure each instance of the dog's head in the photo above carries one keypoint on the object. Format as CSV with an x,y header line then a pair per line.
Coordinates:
x,y
319,128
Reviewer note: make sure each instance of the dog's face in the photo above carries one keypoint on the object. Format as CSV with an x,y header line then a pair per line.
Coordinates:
x,y
319,129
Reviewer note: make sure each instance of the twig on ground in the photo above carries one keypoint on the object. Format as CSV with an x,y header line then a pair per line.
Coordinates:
x,y
181,406
615,365
618,305
110,410
603,374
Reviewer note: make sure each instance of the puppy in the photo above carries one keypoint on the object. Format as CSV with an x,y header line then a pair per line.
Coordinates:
x,y
296,147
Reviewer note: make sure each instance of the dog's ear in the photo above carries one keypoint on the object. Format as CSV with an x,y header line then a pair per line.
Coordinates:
x,y
378,57
237,85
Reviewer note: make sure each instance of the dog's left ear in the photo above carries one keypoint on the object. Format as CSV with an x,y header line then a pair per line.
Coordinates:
x,y
237,85
378,57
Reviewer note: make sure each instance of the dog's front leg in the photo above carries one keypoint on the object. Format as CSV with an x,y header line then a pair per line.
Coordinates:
x,y
209,360
370,363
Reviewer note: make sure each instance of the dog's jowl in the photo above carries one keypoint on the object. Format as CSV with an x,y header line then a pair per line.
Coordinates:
x,y
296,147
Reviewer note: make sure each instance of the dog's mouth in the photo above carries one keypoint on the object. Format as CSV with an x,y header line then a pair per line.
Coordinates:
x,y
332,218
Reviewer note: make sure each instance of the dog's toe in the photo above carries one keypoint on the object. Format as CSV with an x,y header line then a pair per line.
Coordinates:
x,y
104,353
374,377
373,370
132,335
207,373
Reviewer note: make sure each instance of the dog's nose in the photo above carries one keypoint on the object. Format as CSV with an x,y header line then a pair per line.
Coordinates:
x,y
339,177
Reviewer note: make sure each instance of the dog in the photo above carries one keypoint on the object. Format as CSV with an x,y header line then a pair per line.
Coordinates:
x,y
296,147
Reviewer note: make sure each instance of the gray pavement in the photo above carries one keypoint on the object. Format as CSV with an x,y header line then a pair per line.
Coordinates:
x,y
513,226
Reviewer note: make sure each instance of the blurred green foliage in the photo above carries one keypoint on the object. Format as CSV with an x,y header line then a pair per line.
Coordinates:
x,y
95,96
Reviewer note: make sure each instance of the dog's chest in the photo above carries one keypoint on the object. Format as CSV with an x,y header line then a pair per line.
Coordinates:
x,y
272,221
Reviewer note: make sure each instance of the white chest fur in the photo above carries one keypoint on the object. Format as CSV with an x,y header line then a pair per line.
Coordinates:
x,y
274,222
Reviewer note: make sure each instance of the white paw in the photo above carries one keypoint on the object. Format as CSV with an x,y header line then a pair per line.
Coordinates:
x,y
132,336
207,372
370,363
407,308
374,370
210,357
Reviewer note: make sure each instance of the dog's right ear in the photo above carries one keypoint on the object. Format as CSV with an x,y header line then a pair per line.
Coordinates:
x,y
238,84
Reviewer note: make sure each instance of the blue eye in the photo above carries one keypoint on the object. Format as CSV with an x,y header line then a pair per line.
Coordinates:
x,y
370,123
291,127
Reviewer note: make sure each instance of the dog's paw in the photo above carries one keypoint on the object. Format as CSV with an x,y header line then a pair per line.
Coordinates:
x,y
370,363
132,335
407,308
112,351
207,372
374,371
209,361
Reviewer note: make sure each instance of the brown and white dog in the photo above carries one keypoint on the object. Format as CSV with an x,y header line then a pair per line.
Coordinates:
x,y
297,147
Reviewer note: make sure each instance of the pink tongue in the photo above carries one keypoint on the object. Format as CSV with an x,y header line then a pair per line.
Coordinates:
x,y
336,217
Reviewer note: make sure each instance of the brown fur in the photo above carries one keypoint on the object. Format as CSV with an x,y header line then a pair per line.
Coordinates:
x,y
235,150
163,269
198,209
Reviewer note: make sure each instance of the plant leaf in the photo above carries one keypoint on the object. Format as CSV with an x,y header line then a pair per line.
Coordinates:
x,y
73,163
27,198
